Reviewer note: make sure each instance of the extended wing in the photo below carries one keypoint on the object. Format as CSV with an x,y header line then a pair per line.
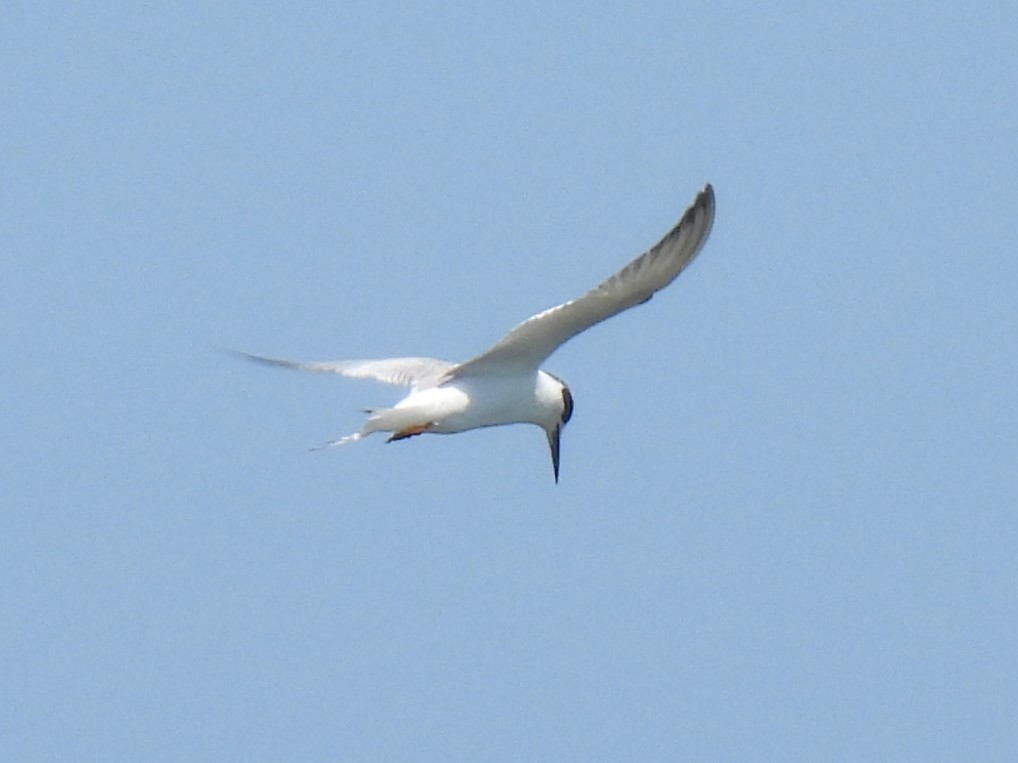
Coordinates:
x,y
403,372
527,345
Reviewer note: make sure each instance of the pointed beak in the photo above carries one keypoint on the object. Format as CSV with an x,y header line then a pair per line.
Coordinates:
x,y
553,443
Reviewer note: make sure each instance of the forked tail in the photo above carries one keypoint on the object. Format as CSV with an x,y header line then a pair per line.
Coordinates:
x,y
341,441
402,422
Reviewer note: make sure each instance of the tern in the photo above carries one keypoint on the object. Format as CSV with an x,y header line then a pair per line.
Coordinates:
x,y
505,384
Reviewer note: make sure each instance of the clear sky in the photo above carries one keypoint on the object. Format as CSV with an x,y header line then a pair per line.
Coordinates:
x,y
787,525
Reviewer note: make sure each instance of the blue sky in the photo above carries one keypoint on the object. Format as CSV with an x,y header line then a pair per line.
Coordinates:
x,y
786,527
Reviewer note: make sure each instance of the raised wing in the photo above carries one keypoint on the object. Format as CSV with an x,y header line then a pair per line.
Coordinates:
x,y
402,372
527,345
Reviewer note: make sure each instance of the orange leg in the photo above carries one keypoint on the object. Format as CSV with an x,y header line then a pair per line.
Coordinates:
x,y
402,434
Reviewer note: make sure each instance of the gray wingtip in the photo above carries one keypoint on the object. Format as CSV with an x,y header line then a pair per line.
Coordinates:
x,y
706,198
705,204
259,359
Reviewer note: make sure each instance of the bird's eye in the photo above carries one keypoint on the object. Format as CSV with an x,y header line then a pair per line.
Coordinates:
x,y
567,404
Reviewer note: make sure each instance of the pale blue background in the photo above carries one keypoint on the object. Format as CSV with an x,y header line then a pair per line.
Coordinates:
x,y
787,527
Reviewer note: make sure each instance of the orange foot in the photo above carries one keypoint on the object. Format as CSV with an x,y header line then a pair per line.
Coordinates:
x,y
408,432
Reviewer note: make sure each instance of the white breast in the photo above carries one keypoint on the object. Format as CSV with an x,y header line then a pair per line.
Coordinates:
x,y
486,401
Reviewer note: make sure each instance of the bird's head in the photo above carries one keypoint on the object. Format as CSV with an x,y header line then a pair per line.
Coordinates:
x,y
560,410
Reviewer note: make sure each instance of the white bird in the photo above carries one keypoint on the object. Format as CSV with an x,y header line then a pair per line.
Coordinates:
x,y
504,384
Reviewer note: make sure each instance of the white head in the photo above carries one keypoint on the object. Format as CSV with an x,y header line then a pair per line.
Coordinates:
x,y
558,402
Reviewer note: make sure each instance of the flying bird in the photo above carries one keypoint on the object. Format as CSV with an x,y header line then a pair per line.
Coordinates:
x,y
505,384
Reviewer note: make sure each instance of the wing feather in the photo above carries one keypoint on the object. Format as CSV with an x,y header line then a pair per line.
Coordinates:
x,y
402,372
532,341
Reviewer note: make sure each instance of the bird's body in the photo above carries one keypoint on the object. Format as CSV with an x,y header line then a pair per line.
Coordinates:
x,y
505,384
472,402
